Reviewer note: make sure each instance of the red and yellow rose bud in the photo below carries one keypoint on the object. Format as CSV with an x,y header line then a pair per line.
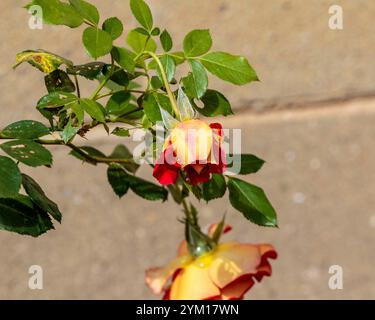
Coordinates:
x,y
193,147
225,273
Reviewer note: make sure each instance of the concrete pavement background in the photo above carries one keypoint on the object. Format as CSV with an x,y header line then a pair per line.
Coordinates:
x,y
319,172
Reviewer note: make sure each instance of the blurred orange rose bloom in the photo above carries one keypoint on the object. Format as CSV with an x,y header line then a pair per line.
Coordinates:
x,y
226,273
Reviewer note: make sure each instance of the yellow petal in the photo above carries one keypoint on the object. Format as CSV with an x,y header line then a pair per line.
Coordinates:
x,y
156,278
192,142
193,283
233,260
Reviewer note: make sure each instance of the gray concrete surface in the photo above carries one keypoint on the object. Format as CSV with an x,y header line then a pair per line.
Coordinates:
x,y
319,175
319,171
298,58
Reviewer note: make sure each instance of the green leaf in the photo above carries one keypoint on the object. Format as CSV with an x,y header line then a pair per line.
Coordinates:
x,y
122,152
59,80
58,13
133,85
121,132
142,13
27,152
156,83
152,104
49,114
178,57
155,32
249,163
89,70
151,108
37,195
131,112
197,42
147,190
196,82
214,188
69,132
168,66
215,104
142,31
234,69
112,86
78,112
118,104
94,109
163,101
90,151
114,27
16,216
44,61
25,129
125,58
24,199
10,177
252,202
121,181
97,42
118,76
166,41
218,231
56,99
86,10
140,42
117,178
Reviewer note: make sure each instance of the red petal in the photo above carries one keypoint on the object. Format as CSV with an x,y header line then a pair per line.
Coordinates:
x,y
212,229
167,294
194,177
218,127
166,169
237,289
216,168
264,268
166,174
218,157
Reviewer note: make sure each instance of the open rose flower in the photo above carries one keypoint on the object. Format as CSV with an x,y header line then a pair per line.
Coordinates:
x,y
192,146
225,273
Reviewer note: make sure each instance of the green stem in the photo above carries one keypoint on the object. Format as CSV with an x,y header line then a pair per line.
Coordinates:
x,y
184,204
82,152
186,208
126,121
104,81
166,83
143,49
95,158
100,87
89,23
148,79
112,93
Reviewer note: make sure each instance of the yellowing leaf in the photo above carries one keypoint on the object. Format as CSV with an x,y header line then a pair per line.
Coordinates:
x,y
43,60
